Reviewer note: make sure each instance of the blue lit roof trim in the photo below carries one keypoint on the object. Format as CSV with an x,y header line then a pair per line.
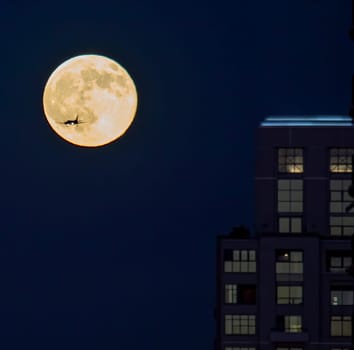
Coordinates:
x,y
316,120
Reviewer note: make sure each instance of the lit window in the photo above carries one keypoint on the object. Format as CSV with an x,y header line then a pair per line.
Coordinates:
x,y
341,160
240,324
290,196
230,293
293,324
289,294
289,323
290,160
341,326
239,260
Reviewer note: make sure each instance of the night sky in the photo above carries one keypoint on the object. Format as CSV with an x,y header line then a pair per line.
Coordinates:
x,y
114,247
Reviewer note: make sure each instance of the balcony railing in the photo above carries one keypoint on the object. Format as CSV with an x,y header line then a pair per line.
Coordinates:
x,y
280,335
293,277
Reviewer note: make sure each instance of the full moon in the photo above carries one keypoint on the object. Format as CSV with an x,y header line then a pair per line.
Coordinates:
x,y
90,100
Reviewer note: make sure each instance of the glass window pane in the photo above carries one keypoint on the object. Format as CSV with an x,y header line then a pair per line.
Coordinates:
x,y
236,266
296,184
336,297
282,267
347,261
336,196
336,220
336,261
347,297
336,231
295,256
228,325
335,207
296,207
335,185
296,291
252,266
348,231
283,196
227,266
283,292
283,184
348,220
347,328
296,225
284,207
244,255
296,268
284,225
244,266
296,196
346,184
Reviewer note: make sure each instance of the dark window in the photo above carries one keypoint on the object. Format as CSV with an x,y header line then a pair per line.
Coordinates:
x,y
247,294
342,295
228,255
338,261
290,224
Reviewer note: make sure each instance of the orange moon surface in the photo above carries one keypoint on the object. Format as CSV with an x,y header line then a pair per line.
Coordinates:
x,y
90,100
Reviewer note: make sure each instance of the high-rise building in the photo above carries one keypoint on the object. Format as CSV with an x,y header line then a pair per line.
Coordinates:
x,y
286,286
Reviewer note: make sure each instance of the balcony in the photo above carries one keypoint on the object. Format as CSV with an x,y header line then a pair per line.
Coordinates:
x,y
289,277
278,335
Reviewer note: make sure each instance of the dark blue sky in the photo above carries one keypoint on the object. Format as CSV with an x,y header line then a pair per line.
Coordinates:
x,y
114,248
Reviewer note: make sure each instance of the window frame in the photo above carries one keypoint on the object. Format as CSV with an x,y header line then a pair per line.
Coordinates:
x,y
290,158
236,322
347,165
243,261
289,286
342,320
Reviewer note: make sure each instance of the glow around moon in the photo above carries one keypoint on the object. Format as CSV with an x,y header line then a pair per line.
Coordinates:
x,y
90,100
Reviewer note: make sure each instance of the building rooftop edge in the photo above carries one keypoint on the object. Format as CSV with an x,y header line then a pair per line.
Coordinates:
x,y
308,120
285,235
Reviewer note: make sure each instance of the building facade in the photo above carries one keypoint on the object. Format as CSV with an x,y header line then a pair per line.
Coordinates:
x,y
285,286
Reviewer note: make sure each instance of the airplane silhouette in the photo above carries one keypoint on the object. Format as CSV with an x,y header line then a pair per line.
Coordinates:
x,y
71,122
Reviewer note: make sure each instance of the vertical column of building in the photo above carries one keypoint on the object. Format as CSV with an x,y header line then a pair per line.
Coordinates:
x,y
337,287
282,252
237,292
